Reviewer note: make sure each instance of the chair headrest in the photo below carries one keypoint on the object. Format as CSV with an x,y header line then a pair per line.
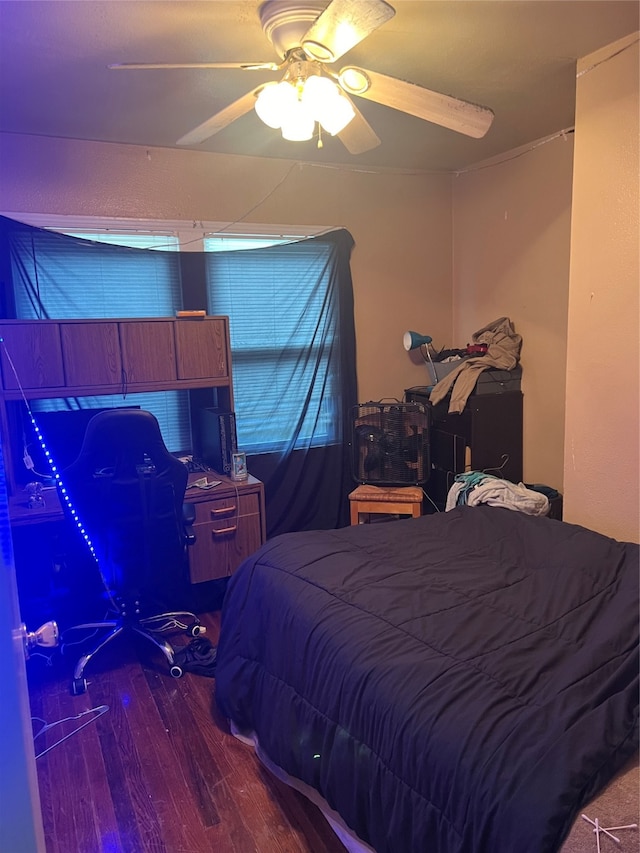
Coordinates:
x,y
121,438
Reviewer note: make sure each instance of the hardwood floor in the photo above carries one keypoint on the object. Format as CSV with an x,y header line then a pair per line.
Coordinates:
x,y
158,772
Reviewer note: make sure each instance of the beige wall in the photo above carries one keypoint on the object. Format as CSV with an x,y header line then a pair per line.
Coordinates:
x,y
602,437
401,224
511,230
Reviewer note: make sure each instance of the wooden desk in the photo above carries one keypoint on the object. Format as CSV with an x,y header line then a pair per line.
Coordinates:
x,y
21,515
230,522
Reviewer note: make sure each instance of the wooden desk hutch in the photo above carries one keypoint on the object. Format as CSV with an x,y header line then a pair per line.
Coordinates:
x,y
80,358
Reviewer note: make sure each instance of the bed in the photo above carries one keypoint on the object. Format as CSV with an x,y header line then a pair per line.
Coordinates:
x,y
457,683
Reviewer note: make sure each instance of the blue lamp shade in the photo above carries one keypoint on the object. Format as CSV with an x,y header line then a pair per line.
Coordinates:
x,y
412,340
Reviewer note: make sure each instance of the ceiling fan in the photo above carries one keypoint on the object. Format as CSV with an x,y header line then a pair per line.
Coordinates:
x,y
309,36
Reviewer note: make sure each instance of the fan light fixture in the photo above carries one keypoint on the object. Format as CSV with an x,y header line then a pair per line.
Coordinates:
x,y
307,35
295,108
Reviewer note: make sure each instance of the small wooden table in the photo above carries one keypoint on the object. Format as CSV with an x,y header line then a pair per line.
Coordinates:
x,y
403,500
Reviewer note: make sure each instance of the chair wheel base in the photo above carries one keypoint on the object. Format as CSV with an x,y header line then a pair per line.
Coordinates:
x,y
78,686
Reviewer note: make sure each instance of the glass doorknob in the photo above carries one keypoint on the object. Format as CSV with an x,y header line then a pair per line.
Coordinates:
x,y
47,636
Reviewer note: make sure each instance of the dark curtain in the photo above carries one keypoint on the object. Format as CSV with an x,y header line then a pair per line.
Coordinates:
x,y
306,485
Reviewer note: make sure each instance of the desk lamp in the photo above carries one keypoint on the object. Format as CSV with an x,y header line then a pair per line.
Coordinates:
x,y
413,340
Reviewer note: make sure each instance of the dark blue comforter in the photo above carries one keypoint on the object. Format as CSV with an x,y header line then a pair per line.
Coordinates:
x,y
457,683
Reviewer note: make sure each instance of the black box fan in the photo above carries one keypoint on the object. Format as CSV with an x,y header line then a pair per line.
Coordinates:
x,y
390,444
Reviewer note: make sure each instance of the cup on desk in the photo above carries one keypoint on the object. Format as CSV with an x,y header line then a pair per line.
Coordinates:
x,y
36,498
239,466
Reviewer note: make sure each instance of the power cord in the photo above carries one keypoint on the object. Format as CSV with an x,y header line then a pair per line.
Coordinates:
x,y
431,501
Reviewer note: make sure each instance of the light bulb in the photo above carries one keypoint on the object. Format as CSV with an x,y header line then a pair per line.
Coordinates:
x,y
318,94
282,105
299,123
339,116
274,103
327,104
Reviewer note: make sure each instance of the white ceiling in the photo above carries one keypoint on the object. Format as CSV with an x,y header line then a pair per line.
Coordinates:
x,y
515,56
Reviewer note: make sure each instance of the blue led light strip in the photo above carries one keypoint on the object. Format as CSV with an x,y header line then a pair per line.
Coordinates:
x,y
62,490
54,470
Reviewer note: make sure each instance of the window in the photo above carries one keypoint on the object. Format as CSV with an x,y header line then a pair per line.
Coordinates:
x,y
283,324
88,277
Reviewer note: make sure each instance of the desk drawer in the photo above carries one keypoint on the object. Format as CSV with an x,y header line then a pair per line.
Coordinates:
x,y
225,509
227,530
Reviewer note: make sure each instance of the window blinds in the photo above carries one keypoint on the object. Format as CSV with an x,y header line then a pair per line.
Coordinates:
x,y
283,314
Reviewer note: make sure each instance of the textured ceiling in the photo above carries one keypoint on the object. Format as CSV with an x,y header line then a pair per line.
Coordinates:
x,y
514,56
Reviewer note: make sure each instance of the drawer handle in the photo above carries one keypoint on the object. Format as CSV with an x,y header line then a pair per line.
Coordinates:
x,y
224,530
226,510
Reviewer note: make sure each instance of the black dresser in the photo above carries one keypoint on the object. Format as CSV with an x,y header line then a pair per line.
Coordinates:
x,y
485,436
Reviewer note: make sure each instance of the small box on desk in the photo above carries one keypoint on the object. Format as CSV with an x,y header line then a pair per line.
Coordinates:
x,y
218,439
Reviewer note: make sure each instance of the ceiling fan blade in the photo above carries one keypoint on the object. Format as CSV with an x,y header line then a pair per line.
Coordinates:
x,y
221,119
461,116
358,136
244,66
343,25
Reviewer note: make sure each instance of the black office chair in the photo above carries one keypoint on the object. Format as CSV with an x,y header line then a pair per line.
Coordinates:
x,y
125,494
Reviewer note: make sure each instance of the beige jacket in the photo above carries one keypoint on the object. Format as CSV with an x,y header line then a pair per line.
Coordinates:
x,y
503,352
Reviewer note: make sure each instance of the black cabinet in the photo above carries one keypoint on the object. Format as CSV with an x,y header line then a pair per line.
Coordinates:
x,y
485,436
